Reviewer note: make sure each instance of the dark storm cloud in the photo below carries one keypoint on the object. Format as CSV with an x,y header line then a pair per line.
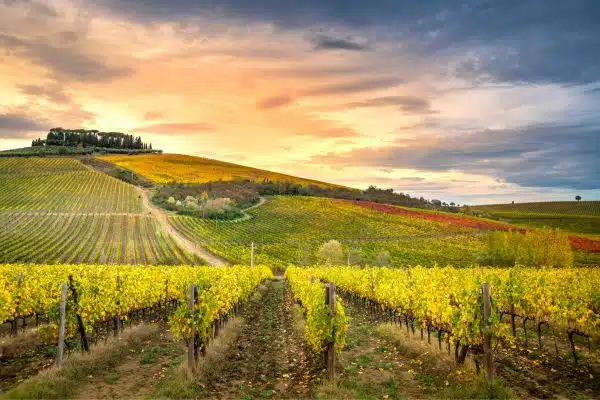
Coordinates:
x,y
536,156
511,40
68,62
16,126
324,42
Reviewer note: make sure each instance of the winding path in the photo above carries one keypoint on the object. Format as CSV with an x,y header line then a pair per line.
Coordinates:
x,y
189,246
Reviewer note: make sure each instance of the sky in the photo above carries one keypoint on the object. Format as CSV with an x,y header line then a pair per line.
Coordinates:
x,y
469,101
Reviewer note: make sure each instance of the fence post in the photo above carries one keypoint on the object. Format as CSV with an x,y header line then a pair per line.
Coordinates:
x,y
191,342
330,301
61,327
117,318
487,341
252,254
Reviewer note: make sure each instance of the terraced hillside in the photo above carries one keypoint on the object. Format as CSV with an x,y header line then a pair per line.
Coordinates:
x,y
165,168
581,217
55,210
290,229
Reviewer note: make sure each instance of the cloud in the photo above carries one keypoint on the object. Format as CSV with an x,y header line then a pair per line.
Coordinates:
x,y
323,128
357,86
274,102
536,41
34,7
16,126
409,104
535,156
152,115
67,62
177,128
324,42
53,92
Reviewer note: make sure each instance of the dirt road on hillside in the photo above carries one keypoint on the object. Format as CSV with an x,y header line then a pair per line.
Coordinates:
x,y
187,245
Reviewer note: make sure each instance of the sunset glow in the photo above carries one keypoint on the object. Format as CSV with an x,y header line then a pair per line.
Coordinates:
x,y
441,103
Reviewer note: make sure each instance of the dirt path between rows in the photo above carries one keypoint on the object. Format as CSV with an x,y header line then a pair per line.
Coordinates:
x,y
269,357
187,245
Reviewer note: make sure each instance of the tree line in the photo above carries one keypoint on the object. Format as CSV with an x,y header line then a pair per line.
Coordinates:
x,y
92,138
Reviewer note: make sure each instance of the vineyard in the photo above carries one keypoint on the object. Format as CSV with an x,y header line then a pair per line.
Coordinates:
x,y
448,300
290,229
55,210
581,217
99,294
90,238
187,169
589,208
62,185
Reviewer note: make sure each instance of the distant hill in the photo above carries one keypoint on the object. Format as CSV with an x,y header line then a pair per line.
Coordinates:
x,y
591,208
582,217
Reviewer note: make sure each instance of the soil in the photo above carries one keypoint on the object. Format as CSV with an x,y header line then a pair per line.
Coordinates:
x,y
187,245
141,367
22,357
269,357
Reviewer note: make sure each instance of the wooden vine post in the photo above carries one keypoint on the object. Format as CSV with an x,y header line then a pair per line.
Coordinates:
x,y
191,341
252,254
488,357
80,327
60,351
330,352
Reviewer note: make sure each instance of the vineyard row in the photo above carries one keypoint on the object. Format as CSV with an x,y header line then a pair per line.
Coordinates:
x,y
102,239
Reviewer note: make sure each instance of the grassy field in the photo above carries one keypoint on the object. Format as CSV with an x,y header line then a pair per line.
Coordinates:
x,y
290,229
55,210
575,217
167,168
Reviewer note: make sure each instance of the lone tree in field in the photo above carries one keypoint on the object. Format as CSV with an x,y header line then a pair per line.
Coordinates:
x,y
578,198
331,253
382,258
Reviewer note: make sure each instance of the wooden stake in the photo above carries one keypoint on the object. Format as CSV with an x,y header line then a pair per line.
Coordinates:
x,y
80,327
330,301
191,347
252,254
61,327
487,341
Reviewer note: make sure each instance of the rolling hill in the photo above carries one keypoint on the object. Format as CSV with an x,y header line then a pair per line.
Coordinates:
x,y
165,168
55,210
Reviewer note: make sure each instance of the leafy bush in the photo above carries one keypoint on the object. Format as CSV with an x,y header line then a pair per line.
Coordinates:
x,y
331,253
382,257
536,248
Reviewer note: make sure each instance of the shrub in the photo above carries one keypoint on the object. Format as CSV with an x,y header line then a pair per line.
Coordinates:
x,y
382,258
171,200
536,248
331,253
